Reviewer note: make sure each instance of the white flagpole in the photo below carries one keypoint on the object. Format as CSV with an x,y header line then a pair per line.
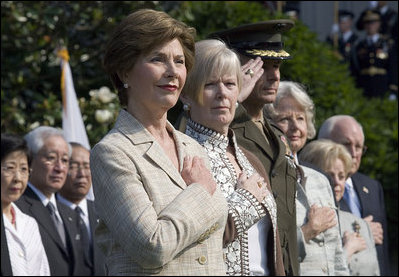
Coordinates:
x,y
72,121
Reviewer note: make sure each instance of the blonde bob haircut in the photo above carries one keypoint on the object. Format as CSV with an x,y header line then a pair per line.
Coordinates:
x,y
137,35
212,59
323,153
298,93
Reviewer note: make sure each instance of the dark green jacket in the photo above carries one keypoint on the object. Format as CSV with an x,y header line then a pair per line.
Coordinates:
x,y
282,177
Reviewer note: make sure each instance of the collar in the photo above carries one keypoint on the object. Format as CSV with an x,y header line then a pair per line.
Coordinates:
x,y
204,135
42,197
349,182
82,204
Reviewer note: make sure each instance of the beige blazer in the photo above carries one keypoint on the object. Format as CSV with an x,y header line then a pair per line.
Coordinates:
x,y
151,222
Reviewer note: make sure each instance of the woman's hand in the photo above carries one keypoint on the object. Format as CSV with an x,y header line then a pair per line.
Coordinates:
x,y
195,171
353,243
319,220
255,184
248,81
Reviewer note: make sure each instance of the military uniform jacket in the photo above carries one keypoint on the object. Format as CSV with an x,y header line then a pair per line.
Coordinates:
x,y
374,67
282,176
151,222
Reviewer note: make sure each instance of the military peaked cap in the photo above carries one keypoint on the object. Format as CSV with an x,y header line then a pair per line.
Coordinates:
x,y
368,16
262,39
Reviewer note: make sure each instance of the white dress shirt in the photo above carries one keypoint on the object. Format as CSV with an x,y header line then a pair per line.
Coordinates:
x,y
26,251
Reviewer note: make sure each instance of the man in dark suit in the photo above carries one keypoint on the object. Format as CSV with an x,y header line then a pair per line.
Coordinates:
x,y
253,131
73,194
57,223
365,196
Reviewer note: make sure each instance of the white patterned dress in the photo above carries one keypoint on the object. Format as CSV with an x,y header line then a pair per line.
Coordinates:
x,y
244,208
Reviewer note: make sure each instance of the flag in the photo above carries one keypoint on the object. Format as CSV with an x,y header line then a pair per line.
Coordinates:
x,y
72,121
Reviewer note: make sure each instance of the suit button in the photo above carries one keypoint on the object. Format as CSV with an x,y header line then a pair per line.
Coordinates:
x,y
21,254
202,260
324,269
274,174
321,243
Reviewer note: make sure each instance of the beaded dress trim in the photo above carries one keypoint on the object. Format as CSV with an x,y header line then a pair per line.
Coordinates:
x,y
245,209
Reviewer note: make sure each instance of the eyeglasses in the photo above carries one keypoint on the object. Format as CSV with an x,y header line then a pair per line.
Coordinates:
x,y
74,167
11,170
358,148
52,159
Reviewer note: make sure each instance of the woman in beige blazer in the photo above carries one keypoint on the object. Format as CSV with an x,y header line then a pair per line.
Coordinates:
x,y
161,211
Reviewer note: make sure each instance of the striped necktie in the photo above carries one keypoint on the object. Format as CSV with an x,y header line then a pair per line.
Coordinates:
x,y
351,199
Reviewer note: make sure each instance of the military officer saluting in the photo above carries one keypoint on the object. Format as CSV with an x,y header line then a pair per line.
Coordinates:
x,y
262,43
373,65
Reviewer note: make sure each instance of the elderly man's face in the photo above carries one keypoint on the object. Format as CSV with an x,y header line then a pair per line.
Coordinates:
x,y
50,166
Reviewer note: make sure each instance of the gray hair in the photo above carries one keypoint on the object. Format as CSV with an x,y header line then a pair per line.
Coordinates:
x,y
298,93
212,56
329,124
35,138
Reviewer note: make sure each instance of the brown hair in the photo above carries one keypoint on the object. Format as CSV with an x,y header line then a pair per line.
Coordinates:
x,y
138,34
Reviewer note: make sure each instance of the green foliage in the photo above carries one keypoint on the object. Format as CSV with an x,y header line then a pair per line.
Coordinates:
x,y
30,72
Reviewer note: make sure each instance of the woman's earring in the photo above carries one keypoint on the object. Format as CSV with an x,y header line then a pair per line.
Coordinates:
x,y
186,107
125,85
237,104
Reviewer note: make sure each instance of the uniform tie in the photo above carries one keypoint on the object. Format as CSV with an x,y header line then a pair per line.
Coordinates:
x,y
352,200
57,222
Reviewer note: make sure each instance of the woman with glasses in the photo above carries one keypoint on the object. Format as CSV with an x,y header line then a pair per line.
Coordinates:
x,y
22,251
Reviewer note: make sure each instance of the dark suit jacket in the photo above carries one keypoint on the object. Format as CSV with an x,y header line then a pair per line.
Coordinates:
x,y
62,261
282,178
98,262
371,196
6,269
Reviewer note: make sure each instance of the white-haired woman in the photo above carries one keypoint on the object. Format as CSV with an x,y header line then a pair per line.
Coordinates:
x,y
318,233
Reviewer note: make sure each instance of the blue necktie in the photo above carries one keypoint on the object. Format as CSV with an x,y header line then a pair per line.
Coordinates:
x,y
352,200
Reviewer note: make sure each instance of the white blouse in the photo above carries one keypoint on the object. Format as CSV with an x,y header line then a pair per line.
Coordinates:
x,y
26,251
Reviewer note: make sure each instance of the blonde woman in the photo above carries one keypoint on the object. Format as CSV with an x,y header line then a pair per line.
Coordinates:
x,y
210,96
358,240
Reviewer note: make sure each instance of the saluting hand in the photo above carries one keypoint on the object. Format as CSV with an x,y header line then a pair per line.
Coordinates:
x,y
249,80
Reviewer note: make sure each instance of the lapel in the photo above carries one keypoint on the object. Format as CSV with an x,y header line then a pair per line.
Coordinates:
x,y
251,131
138,135
42,216
361,190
